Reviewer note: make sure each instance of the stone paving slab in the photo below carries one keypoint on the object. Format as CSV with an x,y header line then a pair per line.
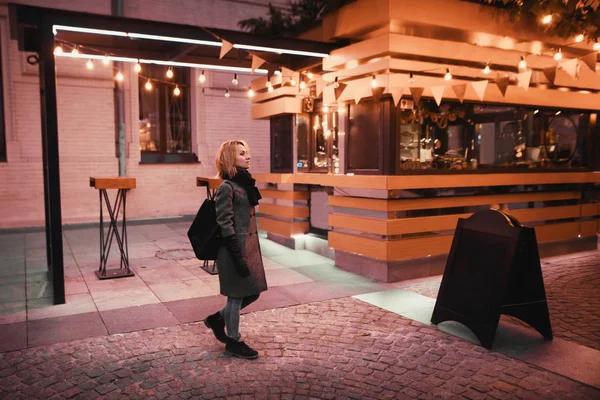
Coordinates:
x,y
342,349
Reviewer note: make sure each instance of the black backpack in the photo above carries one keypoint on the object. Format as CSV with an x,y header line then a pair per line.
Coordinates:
x,y
205,233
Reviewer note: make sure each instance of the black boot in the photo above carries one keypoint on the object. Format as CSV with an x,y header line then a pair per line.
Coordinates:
x,y
217,324
241,350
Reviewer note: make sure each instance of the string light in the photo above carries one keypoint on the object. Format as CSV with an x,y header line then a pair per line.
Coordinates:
x,y
325,108
250,93
310,75
448,75
105,60
302,85
374,82
558,55
58,49
579,38
148,85
547,19
202,77
487,69
89,64
411,78
75,51
277,72
137,68
119,77
336,83
523,63
170,73
268,84
227,93
235,79
270,89
176,91
293,82
596,46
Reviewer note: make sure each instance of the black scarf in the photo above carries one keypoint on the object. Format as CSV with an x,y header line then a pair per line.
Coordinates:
x,y
245,180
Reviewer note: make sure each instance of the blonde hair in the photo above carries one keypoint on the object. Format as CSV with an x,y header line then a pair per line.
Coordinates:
x,y
225,159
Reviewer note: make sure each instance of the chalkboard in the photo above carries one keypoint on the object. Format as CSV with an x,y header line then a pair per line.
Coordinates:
x,y
493,268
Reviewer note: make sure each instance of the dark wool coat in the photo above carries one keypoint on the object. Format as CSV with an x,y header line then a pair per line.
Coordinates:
x,y
236,216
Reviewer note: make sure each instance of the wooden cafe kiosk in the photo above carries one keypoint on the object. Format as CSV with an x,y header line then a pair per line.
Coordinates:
x,y
434,110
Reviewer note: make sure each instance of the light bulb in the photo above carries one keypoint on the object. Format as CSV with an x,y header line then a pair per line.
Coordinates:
x,y
176,91
105,61
235,79
448,75
270,89
302,85
277,72
596,46
89,64
227,93
579,38
119,77
268,84
547,19
137,68
558,55
374,82
522,63
487,69
148,85
411,78
74,51
325,108
293,82
58,49
310,75
336,83
169,73
202,77
250,93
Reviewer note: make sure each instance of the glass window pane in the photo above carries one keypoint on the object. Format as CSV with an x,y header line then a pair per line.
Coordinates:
x,y
363,136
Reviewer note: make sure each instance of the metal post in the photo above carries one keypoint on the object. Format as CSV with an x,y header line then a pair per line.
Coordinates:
x,y
117,10
49,117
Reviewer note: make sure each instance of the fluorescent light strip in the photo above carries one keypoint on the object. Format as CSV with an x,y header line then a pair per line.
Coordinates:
x,y
204,66
160,62
56,28
280,51
174,39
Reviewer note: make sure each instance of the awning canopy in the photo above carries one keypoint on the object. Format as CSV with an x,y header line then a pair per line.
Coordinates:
x,y
142,39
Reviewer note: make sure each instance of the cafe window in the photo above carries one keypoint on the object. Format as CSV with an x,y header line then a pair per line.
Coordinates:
x,y
324,137
164,116
363,137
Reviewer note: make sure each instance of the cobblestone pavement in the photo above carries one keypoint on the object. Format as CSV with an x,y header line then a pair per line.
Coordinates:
x,y
343,349
573,293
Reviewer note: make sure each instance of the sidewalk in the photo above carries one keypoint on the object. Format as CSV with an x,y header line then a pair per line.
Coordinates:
x,y
314,339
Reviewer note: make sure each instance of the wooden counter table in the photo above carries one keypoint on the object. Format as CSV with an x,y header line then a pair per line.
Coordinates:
x,y
391,228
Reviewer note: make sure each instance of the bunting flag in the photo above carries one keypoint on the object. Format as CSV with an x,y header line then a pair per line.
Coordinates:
x,y
396,94
590,60
437,92
479,88
571,68
550,73
339,90
502,84
328,95
257,62
523,79
320,86
362,90
377,92
416,93
460,91
225,48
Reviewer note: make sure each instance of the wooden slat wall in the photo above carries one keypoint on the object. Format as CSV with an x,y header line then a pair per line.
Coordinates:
x,y
283,220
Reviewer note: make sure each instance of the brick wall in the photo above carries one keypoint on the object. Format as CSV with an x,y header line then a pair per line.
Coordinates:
x,y
87,125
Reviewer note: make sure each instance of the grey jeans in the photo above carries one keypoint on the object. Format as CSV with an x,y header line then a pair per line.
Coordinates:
x,y
231,313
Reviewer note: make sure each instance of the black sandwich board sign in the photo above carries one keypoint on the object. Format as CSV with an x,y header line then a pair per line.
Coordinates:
x,y
493,268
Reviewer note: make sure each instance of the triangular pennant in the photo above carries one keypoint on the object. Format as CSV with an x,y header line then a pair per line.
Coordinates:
x,y
590,60
363,89
416,93
479,88
437,92
225,48
320,86
550,73
523,79
339,90
396,94
570,67
377,92
460,91
502,84
328,95
257,62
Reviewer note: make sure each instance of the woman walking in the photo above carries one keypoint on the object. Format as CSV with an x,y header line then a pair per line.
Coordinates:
x,y
240,266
